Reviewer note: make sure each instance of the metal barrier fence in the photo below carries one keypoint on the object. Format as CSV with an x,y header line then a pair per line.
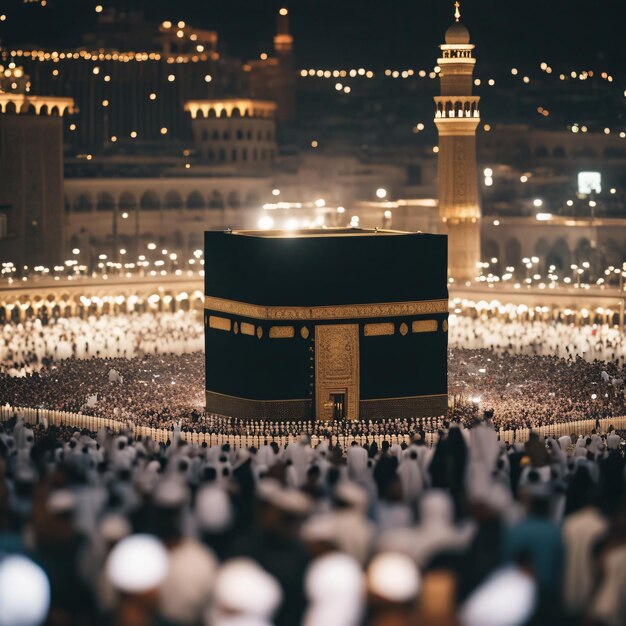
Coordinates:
x,y
49,417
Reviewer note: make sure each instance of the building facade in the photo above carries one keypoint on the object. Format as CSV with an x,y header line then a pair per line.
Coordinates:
x,y
31,192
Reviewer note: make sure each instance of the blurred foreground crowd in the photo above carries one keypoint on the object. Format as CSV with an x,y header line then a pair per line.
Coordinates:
x,y
98,528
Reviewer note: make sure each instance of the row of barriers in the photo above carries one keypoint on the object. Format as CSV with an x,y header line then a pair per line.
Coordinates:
x,y
49,417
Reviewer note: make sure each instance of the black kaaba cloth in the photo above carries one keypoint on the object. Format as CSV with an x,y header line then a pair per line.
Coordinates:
x,y
326,324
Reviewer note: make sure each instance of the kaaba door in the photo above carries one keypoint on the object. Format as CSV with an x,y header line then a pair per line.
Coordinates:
x,y
336,370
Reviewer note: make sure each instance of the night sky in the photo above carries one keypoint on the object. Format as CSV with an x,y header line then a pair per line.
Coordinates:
x,y
372,33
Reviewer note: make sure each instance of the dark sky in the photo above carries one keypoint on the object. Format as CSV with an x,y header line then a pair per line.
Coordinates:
x,y
371,33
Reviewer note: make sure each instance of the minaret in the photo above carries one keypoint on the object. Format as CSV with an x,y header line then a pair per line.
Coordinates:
x,y
286,84
457,117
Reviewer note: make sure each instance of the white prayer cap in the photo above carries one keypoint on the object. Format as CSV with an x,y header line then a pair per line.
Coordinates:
x,y
319,528
333,615
213,509
137,564
244,587
24,592
241,456
25,473
61,501
334,578
288,500
114,527
350,493
171,493
394,577
436,506
506,598
490,493
239,620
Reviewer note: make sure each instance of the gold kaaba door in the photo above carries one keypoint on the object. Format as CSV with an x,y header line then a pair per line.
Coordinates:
x,y
337,371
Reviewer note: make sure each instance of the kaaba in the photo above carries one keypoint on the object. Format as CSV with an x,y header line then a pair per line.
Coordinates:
x,y
328,324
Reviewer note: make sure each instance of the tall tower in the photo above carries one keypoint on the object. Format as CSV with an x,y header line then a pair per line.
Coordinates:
x,y
286,87
31,170
273,78
457,117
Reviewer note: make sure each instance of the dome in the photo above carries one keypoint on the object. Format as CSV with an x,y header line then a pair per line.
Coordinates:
x,y
457,34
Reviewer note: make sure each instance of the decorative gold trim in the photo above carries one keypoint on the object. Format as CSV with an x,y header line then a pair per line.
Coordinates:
x,y
404,329
424,326
259,331
236,328
330,312
247,329
219,323
304,332
377,330
444,326
282,332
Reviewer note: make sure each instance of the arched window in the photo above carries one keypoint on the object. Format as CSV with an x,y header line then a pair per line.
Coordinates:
x,y
216,201
195,200
128,202
150,201
513,252
253,201
559,256
83,203
172,200
105,202
233,200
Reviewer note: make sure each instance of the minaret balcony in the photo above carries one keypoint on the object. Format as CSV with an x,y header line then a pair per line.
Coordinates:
x,y
457,107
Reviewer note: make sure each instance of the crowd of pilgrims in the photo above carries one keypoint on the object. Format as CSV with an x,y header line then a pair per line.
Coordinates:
x,y
103,528
591,341
28,346
167,391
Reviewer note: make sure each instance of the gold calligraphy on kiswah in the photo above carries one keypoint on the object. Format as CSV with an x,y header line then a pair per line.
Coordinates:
x,y
330,312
